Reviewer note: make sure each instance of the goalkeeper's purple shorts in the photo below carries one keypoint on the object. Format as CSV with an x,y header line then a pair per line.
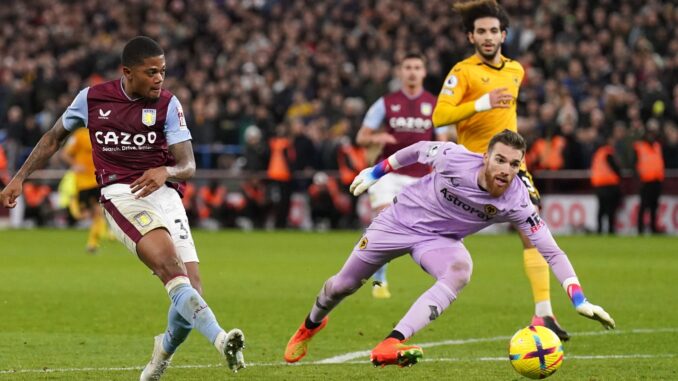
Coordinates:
x,y
379,247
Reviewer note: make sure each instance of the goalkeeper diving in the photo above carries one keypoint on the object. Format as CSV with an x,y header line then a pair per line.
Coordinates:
x,y
465,193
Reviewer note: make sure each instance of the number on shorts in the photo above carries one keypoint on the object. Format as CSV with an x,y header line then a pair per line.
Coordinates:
x,y
182,227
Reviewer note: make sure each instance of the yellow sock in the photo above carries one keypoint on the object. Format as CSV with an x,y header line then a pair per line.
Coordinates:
x,y
96,231
537,271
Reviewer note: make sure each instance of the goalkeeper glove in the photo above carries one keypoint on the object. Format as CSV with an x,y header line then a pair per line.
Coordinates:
x,y
368,176
364,180
594,312
583,307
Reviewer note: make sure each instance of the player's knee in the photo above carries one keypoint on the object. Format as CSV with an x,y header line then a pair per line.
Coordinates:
x,y
338,286
458,275
169,268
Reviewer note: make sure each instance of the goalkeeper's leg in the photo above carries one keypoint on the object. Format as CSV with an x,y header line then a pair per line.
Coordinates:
x,y
354,273
452,267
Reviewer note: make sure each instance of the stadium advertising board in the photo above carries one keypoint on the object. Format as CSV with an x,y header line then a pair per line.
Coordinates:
x,y
567,214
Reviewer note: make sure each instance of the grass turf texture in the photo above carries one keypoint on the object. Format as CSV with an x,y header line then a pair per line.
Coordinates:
x,y
94,317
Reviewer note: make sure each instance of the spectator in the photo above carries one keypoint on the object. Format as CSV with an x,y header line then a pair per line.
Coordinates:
x,y
650,169
255,151
38,205
280,166
670,145
191,204
328,202
15,133
257,62
606,180
212,204
255,206
4,174
546,153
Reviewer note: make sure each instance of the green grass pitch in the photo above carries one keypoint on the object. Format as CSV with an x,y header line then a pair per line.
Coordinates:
x,y
66,315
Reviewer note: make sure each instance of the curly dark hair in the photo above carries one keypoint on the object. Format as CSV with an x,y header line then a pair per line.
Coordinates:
x,y
472,10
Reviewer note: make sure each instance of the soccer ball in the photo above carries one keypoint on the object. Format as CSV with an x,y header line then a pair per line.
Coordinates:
x,y
535,352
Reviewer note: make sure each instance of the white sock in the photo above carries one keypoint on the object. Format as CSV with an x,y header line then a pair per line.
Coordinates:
x,y
221,337
543,308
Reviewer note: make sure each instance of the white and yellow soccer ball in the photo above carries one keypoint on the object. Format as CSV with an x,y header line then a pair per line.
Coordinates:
x,y
535,352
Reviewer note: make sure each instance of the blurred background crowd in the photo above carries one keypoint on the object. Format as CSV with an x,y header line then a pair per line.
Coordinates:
x,y
254,72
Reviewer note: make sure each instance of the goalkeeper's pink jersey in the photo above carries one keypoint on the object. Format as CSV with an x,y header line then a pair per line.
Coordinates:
x,y
450,203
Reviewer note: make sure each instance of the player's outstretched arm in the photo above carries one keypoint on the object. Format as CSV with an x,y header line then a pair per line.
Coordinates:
x,y
47,146
421,152
528,220
154,178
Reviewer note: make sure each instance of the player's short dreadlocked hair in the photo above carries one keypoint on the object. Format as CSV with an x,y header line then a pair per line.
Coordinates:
x,y
472,10
138,49
509,138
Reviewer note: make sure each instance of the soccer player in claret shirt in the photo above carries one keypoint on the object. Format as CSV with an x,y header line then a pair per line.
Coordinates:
x,y
479,95
465,193
143,154
396,121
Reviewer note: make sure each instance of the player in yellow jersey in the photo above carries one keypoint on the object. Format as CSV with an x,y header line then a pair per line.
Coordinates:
x,y
78,154
479,96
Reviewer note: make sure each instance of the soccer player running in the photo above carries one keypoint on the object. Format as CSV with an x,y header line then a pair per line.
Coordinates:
x,y
395,121
465,193
78,154
479,96
143,154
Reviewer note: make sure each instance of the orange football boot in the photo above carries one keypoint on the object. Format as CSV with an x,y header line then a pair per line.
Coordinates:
x,y
298,344
393,352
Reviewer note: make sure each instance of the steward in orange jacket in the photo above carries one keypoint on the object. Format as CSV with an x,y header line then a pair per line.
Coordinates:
x,y
606,180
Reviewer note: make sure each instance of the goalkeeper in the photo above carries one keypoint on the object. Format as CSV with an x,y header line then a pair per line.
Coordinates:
x,y
465,193
479,96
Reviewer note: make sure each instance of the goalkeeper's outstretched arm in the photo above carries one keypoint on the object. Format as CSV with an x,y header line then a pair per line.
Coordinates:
x,y
537,231
416,153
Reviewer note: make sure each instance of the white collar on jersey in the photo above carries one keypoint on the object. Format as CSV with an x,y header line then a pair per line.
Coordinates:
x,y
123,91
414,97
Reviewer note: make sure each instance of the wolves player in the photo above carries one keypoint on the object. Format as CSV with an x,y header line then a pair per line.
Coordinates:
x,y
142,154
465,193
407,116
479,96
77,153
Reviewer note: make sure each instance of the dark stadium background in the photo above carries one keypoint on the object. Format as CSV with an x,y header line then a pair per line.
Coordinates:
x,y
309,69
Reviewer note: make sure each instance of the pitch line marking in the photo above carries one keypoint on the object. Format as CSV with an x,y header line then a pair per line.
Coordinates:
x,y
440,359
349,358
501,359
353,355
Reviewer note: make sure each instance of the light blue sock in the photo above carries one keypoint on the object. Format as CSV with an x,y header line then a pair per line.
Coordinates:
x,y
177,330
380,275
193,308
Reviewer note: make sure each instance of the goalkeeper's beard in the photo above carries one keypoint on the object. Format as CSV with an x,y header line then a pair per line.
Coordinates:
x,y
492,188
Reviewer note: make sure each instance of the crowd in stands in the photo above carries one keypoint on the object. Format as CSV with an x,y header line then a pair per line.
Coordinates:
x,y
303,72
